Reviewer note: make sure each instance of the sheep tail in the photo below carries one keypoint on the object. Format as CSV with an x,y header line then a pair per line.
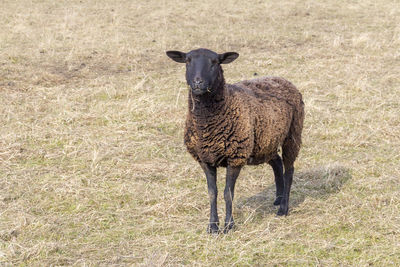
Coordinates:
x,y
292,143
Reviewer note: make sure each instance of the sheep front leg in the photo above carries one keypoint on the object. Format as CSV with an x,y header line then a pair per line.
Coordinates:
x,y
232,174
211,175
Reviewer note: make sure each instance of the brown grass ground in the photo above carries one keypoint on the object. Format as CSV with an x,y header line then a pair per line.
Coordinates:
x,y
93,170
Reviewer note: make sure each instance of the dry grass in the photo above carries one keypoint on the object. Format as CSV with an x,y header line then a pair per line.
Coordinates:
x,y
93,170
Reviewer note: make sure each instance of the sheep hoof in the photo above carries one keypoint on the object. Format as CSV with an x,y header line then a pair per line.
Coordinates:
x,y
228,226
283,211
213,228
277,201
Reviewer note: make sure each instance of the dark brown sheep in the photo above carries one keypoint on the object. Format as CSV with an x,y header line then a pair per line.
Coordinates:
x,y
232,125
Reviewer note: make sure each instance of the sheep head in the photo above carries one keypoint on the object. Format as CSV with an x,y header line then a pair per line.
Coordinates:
x,y
203,68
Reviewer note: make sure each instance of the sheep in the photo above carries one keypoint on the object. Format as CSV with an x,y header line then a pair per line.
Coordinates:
x,y
232,125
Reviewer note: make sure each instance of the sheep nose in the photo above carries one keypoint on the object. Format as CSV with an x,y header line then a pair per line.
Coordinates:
x,y
198,81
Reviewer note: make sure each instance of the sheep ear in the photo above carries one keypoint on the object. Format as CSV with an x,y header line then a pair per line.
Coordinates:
x,y
177,56
228,57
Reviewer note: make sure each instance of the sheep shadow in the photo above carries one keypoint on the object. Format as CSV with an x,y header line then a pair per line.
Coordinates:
x,y
316,183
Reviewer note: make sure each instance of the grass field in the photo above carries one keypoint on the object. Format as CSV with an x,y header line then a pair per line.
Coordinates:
x,y
93,169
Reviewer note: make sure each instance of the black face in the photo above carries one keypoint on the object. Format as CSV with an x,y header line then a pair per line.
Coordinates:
x,y
202,67
202,70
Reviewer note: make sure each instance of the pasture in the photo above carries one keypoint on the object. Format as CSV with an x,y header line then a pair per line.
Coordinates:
x,y
93,169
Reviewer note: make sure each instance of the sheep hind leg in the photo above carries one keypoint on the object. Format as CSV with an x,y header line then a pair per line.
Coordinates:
x,y
287,180
211,175
290,150
232,174
276,164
